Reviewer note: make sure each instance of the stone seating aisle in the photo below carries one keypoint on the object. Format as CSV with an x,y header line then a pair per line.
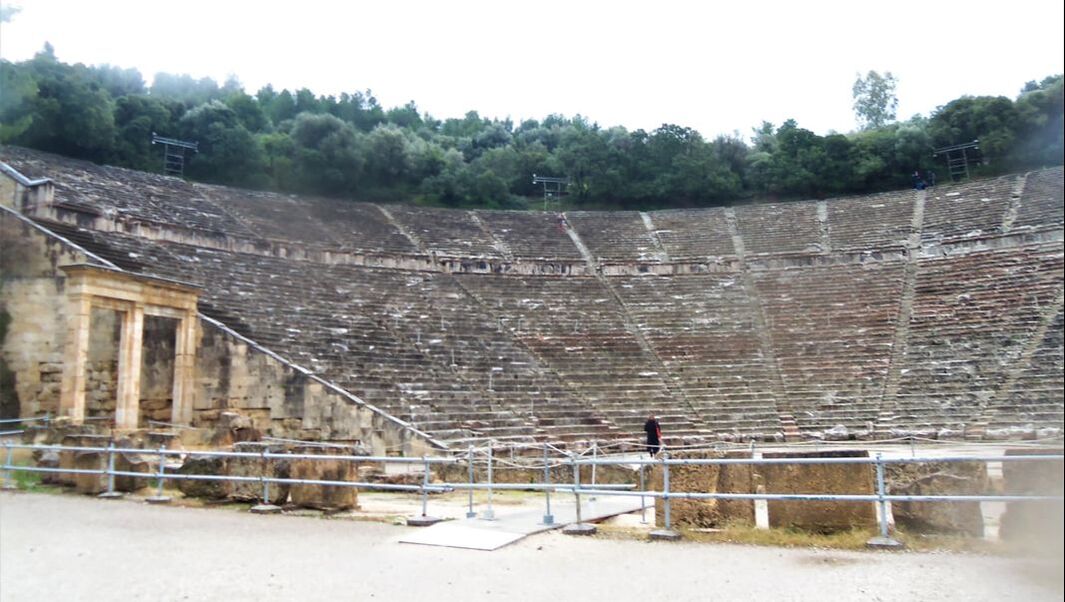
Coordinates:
x,y
703,329
1036,399
832,330
972,316
573,325
531,234
446,231
614,235
481,348
1041,200
693,233
874,222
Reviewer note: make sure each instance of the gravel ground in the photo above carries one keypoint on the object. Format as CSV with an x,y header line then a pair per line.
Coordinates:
x,y
76,548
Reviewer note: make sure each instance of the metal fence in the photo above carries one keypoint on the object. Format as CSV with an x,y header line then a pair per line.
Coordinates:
x,y
559,458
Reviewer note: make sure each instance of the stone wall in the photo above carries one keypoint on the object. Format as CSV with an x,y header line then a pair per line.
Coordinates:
x,y
231,373
707,478
938,478
819,478
101,378
32,296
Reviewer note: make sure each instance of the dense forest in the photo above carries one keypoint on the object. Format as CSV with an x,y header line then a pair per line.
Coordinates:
x,y
349,146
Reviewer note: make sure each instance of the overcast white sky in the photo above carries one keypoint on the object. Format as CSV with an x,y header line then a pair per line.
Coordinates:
x,y
717,67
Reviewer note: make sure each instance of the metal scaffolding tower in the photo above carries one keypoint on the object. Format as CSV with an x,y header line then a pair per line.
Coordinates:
x,y
958,157
554,188
174,153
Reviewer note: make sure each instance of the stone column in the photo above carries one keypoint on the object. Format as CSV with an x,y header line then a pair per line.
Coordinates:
x,y
127,408
184,365
72,391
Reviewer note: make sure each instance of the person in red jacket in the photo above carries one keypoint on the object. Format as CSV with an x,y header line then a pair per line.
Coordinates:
x,y
654,434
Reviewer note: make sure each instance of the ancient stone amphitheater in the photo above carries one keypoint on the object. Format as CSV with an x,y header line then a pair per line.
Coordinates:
x,y
937,313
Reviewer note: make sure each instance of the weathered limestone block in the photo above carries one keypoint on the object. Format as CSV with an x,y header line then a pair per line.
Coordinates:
x,y
710,478
249,491
938,478
47,458
325,497
208,489
133,462
68,458
90,484
823,517
1036,523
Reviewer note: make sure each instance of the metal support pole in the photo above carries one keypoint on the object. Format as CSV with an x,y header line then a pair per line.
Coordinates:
x,y
266,507
262,477
884,540
489,513
159,498
425,487
424,520
469,462
595,456
110,494
9,473
549,519
578,528
666,533
643,500
665,489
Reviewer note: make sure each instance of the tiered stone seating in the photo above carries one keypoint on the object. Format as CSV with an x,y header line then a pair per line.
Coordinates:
x,y
832,329
966,210
1041,200
780,228
480,348
693,233
871,222
124,194
531,235
972,316
273,216
421,343
574,326
1036,399
702,328
446,231
614,235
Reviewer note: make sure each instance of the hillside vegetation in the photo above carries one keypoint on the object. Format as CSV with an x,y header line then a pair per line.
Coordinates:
x,y
349,146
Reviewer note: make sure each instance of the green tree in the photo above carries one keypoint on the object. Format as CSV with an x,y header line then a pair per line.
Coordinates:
x,y
874,99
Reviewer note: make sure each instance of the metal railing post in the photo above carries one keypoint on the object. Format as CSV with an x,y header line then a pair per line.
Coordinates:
x,y
595,456
425,487
469,461
884,540
159,498
666,533
579,527
9,472
489,513
110,493
665,489
267,506
643,500
549,519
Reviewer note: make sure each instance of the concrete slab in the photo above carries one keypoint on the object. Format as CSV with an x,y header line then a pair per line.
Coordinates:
x,y
508,527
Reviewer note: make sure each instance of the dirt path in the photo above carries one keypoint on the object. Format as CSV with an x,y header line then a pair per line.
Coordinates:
x,y
73,548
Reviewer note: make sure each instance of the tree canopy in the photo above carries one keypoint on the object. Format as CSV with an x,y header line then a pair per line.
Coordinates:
x,y
349,146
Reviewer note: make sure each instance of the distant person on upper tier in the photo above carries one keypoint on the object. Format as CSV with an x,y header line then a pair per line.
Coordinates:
x,y
918,183
654,435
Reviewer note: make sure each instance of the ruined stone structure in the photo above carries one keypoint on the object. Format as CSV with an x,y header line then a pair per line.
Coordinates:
x,y
933,312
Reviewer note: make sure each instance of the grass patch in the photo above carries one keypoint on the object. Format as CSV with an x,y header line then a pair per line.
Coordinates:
x,y
31,481
853,539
